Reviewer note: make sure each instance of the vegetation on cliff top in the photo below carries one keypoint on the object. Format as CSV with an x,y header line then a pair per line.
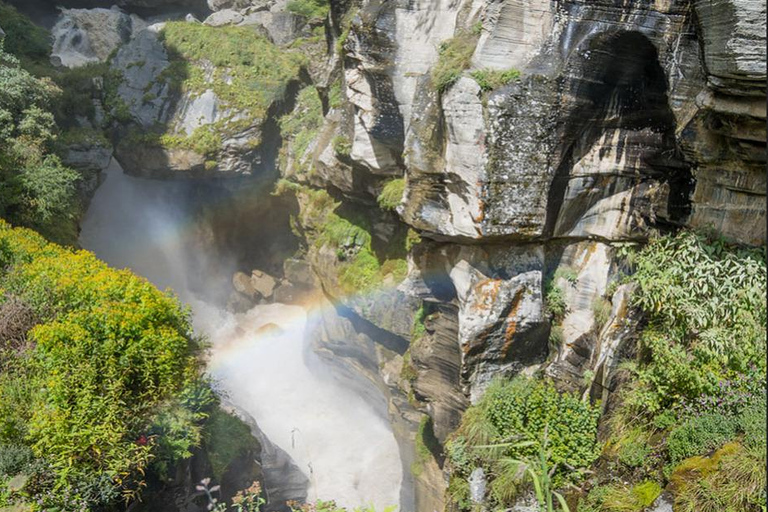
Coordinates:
x,y
248,72
313,9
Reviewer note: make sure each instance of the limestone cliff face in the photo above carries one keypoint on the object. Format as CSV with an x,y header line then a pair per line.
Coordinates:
x,y
626,118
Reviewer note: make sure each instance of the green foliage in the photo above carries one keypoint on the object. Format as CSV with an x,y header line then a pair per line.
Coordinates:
x,y
178,426
633,447
36,190
226,438
556,336
509,423
455,56
302,125
312,9
707,306
418,329
342,145
537,470
733,479
425,445
700,435
335,96
49,188
459,492
412,239
77,85
83,136
27,41
554,295
620,498
392,194
14,458
490,79
110,352
359,268
601,309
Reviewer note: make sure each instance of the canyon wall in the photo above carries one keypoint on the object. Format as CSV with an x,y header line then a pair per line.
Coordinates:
x,y
611,121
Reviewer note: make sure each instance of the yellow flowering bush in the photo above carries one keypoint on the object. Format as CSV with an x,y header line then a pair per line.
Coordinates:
x,y
108,354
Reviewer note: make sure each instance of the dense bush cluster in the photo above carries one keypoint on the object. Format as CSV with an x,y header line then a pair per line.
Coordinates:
x,y
693,414
108,381
707,308
511,422
36,189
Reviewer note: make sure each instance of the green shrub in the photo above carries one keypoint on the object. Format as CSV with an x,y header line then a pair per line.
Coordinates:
x,y
490,79
14,458
633,448
302,125
707,308
511,420
312,9
342,145
24,39
554,298
110,353
525,407
455,56
392,194
36,190
699,435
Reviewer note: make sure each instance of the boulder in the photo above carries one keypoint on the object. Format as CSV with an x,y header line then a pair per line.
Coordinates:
x,y
299,272
286,293
244,285
84,36
224,17
263,284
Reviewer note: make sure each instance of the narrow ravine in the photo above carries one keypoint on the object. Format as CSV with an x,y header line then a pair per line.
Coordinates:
x,y
260,359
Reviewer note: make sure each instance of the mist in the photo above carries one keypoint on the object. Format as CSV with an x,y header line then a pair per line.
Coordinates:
x,y
184,235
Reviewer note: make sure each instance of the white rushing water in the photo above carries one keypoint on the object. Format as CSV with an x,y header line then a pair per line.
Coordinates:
x,y
260,358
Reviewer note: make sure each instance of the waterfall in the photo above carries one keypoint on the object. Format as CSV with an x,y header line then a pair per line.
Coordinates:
x,y
260,359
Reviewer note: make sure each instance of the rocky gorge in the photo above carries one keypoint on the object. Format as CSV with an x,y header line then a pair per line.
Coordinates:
x,y
419,176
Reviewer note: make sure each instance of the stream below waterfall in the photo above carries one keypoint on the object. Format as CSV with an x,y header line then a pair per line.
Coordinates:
x,y
260,358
